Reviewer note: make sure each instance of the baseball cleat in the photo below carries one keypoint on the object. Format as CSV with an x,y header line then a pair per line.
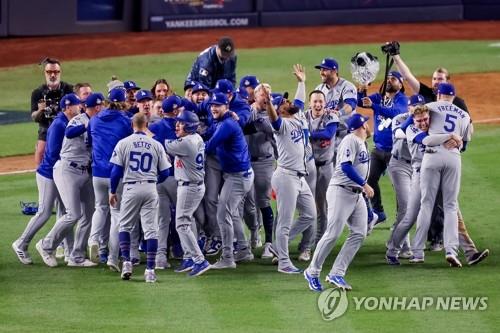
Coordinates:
x,y
149,276
406,255
453,260
161,261
290,270
381,217
84,263
202,242
266,253
186,266
477,257
103,258
223,263
48,259
338,281
371,223
393,261
113,266
416,260
437,246
94,253
135,261
214,247
23,256
255,240
243,255
305,255
126,270
313,282
200,268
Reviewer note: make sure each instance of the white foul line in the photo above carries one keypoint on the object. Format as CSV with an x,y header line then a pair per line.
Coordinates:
x,y
16,172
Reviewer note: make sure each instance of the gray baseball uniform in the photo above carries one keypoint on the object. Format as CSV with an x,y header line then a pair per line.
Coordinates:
x,y
72,178
345,205
142,158
400,172
189,166
213,181
292,190
441,166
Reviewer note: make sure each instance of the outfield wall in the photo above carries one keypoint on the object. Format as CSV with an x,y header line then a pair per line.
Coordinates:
x,y
55,17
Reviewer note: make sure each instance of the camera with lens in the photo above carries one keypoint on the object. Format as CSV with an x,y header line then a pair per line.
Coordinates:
x,y
390,48
51,99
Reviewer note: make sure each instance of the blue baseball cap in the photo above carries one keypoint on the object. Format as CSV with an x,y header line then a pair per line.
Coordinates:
x,y
416,100
218,99
397,75
199,87
328,63
356,121
243,93
94,100
446,89
223,86
278,99
117,95
249,81
189,84
68,100
171,103
142,95
129,85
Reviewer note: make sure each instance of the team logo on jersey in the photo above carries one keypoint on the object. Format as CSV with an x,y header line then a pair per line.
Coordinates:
x,y
203,72
363,157
296,135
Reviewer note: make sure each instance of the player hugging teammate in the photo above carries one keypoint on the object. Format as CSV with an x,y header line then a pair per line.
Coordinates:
x,y
212,160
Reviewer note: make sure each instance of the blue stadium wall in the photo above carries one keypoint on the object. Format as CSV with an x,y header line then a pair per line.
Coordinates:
x,y
56,17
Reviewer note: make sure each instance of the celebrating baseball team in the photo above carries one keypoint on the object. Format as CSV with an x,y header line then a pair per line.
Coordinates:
x,y
179,177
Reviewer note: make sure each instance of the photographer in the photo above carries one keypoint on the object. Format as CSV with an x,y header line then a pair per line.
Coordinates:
x,y
45,102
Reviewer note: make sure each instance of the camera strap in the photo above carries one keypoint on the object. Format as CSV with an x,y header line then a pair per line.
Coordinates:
x,y
388,64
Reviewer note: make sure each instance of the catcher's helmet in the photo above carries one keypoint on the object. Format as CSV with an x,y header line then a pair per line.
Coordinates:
x,y
190,120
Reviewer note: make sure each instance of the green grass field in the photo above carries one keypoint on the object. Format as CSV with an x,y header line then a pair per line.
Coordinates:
x,y
254,297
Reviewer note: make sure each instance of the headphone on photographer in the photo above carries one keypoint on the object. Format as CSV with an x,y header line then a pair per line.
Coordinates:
x,y
389,49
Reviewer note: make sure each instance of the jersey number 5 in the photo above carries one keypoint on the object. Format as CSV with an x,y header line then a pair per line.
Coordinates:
x,y
450,120
140,161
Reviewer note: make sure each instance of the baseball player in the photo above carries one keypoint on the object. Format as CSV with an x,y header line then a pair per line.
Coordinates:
x,y
249,83
161,89
167,190
384,109
340,93
73,181
261,145
141,161
214,63
229,143
288,179
323,125
106,129
47,191
345,205
442,167
189,151
401,170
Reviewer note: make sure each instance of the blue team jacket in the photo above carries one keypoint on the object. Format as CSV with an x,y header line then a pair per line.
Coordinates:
x,y
55,137
383,138
207,69
105,130
229,143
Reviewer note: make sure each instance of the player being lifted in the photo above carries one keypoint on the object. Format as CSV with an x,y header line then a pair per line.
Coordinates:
x,y
141,161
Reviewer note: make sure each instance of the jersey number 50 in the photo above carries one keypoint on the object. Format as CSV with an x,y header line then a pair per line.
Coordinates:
x,y
140,161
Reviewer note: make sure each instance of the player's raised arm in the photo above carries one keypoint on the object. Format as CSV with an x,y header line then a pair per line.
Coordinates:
x,y
407,74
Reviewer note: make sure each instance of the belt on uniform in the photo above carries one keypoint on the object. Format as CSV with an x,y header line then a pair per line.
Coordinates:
x,y
294,173
247,173
353,189
78,166
182,183
141,182
401,159
261,158
322,163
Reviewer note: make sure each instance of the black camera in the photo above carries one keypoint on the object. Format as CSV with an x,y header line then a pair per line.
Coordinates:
x,y
51,99
390,48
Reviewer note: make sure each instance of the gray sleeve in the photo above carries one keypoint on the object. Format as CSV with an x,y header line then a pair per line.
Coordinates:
x,y
175,147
